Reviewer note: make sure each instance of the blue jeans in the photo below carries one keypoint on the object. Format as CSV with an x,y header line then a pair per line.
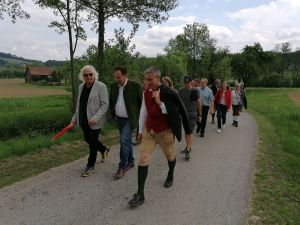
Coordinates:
x,y
126,153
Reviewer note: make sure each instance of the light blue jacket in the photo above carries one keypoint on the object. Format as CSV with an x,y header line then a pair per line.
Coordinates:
x,y
97,105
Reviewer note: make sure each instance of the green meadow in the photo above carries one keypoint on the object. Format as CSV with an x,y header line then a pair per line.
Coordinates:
x,y
276,196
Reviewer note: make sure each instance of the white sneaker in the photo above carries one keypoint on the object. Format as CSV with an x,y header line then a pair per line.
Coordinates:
x,y
219,131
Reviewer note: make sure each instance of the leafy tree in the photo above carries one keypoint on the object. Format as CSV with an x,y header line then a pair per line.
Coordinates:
x,y
70,21
13,9
133,12
195,41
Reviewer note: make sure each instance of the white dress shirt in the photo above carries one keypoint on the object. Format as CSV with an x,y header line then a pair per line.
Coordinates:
x,y
120,107
144,113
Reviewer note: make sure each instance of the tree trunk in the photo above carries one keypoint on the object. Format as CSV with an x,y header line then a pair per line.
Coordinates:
x,y
73,107
101,31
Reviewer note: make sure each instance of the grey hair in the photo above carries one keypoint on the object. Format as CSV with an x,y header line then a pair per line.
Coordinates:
x,y
91,68
204,80
154,70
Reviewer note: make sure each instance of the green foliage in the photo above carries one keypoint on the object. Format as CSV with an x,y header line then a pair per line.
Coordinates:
x,y
195,42
277,178
33,116
12,9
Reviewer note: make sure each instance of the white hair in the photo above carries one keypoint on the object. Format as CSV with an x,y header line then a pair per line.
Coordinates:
x,y
91,68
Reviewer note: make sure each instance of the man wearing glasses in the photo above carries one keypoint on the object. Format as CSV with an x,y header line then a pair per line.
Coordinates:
x,y
92,105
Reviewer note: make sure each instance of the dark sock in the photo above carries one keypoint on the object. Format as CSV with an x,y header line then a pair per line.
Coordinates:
x,y
171,169
142,175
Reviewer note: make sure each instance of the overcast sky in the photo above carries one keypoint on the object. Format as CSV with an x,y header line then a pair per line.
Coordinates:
x,y
234,23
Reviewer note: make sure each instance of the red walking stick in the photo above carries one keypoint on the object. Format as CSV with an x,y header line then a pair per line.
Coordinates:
x,y
62,131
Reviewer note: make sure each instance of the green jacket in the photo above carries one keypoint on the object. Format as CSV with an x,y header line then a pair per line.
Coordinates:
x,y
133,95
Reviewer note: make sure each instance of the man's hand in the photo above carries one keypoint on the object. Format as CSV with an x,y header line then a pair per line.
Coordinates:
x,y
73,122
199,119
92,122
140,137
156,97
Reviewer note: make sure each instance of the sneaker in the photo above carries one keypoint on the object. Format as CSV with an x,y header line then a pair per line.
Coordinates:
x,y
89,170
104,154
219,131
187,155
137,200
119,174
184,151
201,135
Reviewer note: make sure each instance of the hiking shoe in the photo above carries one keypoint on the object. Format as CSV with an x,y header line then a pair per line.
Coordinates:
x,y
137,200
168,182
187,155
184,151
130,166
119,174
219,131
89,170
104,154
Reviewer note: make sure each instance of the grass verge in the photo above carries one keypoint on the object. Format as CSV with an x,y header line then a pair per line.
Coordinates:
x,y
276,198
17,168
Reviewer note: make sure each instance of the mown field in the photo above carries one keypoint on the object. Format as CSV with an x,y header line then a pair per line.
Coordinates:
x,y
14,88
27,124
276,195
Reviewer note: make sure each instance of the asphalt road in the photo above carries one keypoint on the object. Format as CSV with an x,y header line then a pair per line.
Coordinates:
x,y
212,188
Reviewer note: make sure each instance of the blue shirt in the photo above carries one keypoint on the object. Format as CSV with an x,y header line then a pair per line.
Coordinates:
x,y
206,96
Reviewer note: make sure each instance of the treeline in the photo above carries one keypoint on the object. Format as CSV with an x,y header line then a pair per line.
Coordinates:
x,y
195,53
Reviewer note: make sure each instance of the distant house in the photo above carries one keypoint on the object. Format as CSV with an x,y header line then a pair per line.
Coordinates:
x,y
47,74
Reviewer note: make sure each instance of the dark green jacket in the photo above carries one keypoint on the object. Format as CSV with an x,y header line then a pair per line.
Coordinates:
x,y
133,95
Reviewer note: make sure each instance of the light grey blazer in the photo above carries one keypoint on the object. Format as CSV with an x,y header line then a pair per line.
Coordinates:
x,y
97,105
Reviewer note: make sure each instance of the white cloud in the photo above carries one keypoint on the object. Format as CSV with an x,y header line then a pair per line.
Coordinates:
x,y
275,22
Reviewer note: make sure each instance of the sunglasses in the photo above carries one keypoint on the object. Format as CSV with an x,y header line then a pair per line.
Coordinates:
x,y
88,74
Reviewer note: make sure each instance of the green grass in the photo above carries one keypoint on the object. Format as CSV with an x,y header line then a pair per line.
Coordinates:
x,y
22,116
276,199
17,168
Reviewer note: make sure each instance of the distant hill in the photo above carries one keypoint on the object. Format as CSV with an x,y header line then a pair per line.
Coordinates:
x,y
9,61
12,66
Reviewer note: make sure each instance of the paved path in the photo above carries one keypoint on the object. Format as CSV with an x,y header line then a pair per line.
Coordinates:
x,y
211,189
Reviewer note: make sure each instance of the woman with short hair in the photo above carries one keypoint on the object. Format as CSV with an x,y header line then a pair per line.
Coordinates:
x,y
92,105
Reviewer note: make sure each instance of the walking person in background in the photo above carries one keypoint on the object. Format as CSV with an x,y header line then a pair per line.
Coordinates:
x,y
167,81
223,99
191,100
207,102
92,105
125,103
215,89
160,122
239,100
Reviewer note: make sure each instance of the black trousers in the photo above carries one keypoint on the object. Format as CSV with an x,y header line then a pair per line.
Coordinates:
x,y
201,126
91,138
221,114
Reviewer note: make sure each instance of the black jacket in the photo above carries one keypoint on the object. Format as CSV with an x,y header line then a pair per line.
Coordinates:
x,y
176,111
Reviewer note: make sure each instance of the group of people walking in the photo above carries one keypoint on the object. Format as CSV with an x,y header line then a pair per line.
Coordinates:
x,y
156,110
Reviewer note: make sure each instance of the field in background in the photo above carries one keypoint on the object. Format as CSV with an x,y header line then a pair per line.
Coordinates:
x,y
27,124
276,195
12,88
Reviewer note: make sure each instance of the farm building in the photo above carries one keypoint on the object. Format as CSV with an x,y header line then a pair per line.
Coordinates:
x,y
47,74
